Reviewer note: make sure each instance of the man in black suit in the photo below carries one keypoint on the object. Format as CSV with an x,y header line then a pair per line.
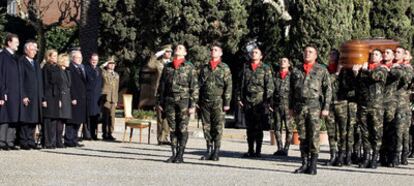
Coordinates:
x,y
94,92
31,96
9,92
79,105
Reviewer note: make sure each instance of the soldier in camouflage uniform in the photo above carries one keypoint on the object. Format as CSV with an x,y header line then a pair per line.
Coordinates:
x,y
254,95
347,115
371,79
311,97
407,61
403,116
177,97
388,155
281,107
333,119
215,95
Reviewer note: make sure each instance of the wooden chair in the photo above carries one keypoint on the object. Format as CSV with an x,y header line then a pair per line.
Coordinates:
x,y
132,122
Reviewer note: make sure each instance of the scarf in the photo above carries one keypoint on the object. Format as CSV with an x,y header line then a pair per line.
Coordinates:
x,y
213,64
254,66
283,73
177,62
308,67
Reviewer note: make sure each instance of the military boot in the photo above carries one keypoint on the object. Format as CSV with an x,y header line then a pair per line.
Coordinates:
x,y
279,151
173,156
286,150
404,157
250,152
258,153
208,153
340,159
312,165
356,157
383,159
180,154
393,160
347,161
332,158
374,159
304,166
215,154
411,154
365,160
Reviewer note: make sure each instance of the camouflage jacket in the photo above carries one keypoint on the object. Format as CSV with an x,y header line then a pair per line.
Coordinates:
x,y
404,85
315,86
371,85
177,84
346,85
281,94
215,84
256,86
335,87
391,85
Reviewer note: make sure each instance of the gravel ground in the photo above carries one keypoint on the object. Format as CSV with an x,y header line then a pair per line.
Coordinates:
x,y
116,163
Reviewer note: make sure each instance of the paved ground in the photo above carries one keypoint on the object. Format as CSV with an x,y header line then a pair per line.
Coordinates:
x,y
106,163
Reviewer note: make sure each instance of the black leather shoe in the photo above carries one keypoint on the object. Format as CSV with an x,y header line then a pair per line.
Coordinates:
x,y
35,147
24,147
6,148
14,148
80,145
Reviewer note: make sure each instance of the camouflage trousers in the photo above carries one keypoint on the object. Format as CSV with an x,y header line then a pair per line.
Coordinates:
x,y
212,116
283,120
176,113
308,120
370,121
341,125
403,123
163,129
351,125
390,128
254,115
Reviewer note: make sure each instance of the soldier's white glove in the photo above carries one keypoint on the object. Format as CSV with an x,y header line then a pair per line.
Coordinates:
x,y
159,53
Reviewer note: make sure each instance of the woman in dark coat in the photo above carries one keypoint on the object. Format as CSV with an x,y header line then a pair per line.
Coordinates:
x,y
56,106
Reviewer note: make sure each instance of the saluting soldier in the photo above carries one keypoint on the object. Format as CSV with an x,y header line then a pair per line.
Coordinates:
x,y
110,98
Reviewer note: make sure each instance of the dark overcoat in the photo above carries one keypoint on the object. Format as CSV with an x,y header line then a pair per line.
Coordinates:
x,y
78,93
32,88
94,89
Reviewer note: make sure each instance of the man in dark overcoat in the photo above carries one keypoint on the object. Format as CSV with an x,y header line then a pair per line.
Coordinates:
x,y
9,92
79,105
31,96
94,90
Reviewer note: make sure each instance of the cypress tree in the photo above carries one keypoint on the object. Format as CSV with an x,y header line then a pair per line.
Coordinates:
x,y
389,19
266,27
195,24
323,23
118,34
360,23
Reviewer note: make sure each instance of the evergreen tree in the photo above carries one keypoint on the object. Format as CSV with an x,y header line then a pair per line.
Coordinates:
x,y
195,24
389,19
323,23
266,27
118,34
2,23
360,22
